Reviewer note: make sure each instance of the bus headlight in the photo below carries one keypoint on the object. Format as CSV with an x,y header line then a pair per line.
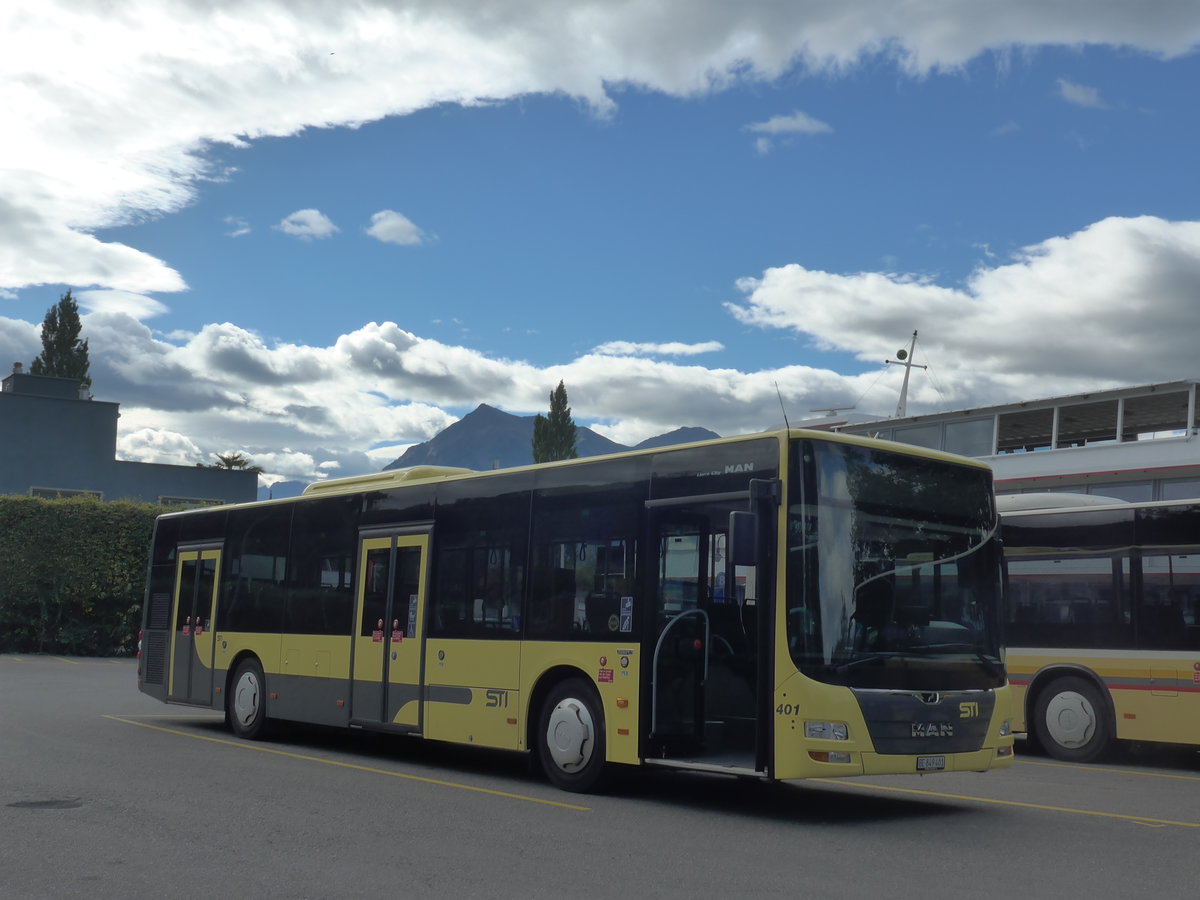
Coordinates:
x,y
1005,728
826,731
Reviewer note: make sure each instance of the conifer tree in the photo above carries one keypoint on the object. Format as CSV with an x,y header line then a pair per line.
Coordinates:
x,y
554,435
63,354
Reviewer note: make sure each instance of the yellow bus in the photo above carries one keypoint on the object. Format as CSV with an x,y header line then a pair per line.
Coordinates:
x,y
1103,622
786,605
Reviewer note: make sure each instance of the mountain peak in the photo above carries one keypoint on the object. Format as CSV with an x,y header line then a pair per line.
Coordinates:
x,y
489,438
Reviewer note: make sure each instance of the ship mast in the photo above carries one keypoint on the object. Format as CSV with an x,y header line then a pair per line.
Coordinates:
x,y
904,358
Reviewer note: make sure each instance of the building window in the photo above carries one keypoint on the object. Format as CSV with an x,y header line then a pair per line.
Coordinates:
x,y
1180,489
1133,492
927,436
970,437
62,494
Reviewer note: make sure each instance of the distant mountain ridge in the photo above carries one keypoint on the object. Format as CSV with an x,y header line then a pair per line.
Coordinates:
x,y
488,438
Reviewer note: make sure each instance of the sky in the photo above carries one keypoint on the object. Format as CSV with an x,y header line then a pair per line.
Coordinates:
x,y
317,233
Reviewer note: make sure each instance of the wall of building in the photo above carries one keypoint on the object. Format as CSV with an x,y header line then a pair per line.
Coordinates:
x,y
56,440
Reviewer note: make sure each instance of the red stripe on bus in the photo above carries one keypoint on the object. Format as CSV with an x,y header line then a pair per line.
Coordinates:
x,y
1154,687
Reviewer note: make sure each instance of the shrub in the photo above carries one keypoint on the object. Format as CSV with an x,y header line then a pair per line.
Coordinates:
x,y
72,574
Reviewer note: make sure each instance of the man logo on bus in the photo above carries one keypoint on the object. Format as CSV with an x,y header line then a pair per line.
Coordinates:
x,y
932,729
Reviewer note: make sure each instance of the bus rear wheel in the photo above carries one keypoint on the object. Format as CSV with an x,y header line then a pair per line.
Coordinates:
x,y
246,702
1070,720
570,736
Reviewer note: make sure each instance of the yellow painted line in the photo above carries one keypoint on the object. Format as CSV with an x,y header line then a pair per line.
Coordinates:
x,y
1139,820
64,659
1081,768
344,765
199,717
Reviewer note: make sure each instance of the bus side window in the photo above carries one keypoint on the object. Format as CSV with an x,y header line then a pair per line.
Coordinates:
x,y
583,565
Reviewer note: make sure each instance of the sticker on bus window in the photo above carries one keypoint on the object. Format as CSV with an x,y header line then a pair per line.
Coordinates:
x,y
626,624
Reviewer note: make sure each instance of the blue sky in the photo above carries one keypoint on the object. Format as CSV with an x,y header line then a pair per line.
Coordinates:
x,y
318,238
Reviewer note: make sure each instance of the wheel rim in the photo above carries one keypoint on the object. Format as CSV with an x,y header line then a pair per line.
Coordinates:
x,y
569,735
246,699
1070,719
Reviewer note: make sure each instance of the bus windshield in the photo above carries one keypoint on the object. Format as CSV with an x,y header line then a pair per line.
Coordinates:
x,y
893,570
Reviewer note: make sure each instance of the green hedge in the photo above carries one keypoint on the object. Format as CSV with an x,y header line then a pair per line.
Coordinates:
x,y
72,575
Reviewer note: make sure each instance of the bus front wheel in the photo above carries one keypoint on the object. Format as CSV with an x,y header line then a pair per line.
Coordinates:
x,y
571,736
246,702
1071,721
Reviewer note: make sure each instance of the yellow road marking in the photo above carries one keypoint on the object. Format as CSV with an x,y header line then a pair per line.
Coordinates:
x,y
64,659
344,765
1029,762
199,717
1139,820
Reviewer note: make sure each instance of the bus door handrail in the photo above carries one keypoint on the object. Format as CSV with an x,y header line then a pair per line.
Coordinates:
x,y
658,649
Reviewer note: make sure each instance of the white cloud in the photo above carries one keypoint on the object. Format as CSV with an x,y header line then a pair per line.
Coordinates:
x,y
20,341
237,226
165,80
669,348
392,227
307,224
158,445
1055,319
1080,94
139,306
797,123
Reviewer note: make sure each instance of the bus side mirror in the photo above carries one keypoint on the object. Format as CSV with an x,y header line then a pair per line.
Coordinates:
x,y
743,534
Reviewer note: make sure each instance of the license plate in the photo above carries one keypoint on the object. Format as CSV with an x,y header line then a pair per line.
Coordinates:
x,y
931,763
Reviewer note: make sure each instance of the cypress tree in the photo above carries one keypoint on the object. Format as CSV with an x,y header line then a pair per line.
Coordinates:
x,y
63,353
554,435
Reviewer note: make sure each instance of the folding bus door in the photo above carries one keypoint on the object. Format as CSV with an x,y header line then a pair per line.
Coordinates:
x,y
191,655
388,642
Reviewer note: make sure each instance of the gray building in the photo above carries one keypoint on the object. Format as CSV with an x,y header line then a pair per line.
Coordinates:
x,y
59,442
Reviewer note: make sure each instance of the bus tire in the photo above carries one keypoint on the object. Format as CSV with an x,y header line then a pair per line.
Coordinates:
x,y
1070,720
246,702
570,736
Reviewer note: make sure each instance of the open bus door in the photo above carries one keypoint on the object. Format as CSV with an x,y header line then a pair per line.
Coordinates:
x,y
708,645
